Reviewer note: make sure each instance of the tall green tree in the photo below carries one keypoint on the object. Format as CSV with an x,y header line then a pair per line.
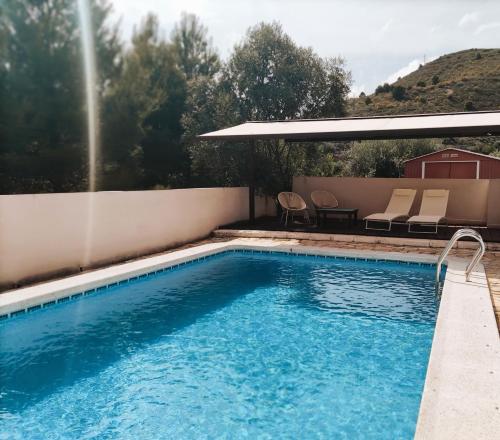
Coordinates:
x,y
273,78
43,137
267,77
142,139
196,56
210,106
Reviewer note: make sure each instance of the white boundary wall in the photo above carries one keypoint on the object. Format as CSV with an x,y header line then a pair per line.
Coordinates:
x,y
43,235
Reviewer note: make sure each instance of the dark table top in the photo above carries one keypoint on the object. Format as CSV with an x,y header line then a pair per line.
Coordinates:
x,y
346,210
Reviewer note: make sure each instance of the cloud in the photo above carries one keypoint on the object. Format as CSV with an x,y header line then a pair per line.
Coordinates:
x,y
410,67
469,18
487,27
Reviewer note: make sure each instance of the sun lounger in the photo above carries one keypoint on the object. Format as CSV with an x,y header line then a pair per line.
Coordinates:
x,y
432,209
398,209
292,204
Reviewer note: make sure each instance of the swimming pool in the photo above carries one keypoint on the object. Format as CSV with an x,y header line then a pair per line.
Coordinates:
x,y
240,345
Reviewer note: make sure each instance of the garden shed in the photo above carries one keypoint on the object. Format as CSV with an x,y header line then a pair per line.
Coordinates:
x,y
453,163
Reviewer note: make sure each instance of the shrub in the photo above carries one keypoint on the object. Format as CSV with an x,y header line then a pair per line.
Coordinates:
x,y
368,100
362,95
435,79
421,84
399,93
469,106
383,158
386,88
478,55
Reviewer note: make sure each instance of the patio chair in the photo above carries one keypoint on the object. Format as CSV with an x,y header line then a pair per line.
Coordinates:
x,y
324,199
292,204
432,209
398,209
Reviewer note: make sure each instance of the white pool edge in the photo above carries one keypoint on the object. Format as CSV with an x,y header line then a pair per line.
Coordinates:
x,y
461,398
462,387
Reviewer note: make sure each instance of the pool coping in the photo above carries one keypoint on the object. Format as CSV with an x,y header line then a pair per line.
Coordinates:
x,y
461,397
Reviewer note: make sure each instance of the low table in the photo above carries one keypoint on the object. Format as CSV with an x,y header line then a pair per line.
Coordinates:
x,y
351,213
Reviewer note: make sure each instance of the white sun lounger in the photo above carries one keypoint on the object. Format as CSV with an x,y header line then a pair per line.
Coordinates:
x,y
432,209
398,209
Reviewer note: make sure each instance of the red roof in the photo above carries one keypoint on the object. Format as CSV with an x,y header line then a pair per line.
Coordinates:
x,y
453,149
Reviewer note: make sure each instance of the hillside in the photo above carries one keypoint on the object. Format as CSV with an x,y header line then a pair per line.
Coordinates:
x,y
465,80
462,81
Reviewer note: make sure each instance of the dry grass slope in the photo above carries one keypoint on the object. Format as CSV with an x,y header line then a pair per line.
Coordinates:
x,y
466,80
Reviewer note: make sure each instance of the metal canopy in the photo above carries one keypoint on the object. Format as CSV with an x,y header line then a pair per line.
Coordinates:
x,y
484,123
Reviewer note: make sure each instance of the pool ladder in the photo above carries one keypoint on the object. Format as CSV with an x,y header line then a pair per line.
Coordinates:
x,y
461,233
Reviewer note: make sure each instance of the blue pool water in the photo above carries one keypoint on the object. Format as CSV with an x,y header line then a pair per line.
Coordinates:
x,y
239,346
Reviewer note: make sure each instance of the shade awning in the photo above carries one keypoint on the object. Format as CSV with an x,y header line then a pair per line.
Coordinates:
x,y
483,123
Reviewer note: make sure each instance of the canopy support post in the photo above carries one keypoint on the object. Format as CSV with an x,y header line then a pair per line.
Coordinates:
x,y
251,181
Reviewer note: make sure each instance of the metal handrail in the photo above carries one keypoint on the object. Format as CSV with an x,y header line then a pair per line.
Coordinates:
x,y
475,259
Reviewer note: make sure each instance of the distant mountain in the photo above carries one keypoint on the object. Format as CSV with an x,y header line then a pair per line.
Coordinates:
x,y
468,80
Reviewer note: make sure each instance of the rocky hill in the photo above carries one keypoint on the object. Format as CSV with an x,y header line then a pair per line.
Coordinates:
x,y
460,81
468,80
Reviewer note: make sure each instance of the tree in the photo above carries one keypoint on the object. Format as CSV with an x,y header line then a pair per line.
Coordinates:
x,y
383,158
43,136
195,54
144,110
469,106
385,88
269,77
273,78
399,93
211,106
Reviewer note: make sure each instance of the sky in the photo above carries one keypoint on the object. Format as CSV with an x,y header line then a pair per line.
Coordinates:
x,y
380,40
